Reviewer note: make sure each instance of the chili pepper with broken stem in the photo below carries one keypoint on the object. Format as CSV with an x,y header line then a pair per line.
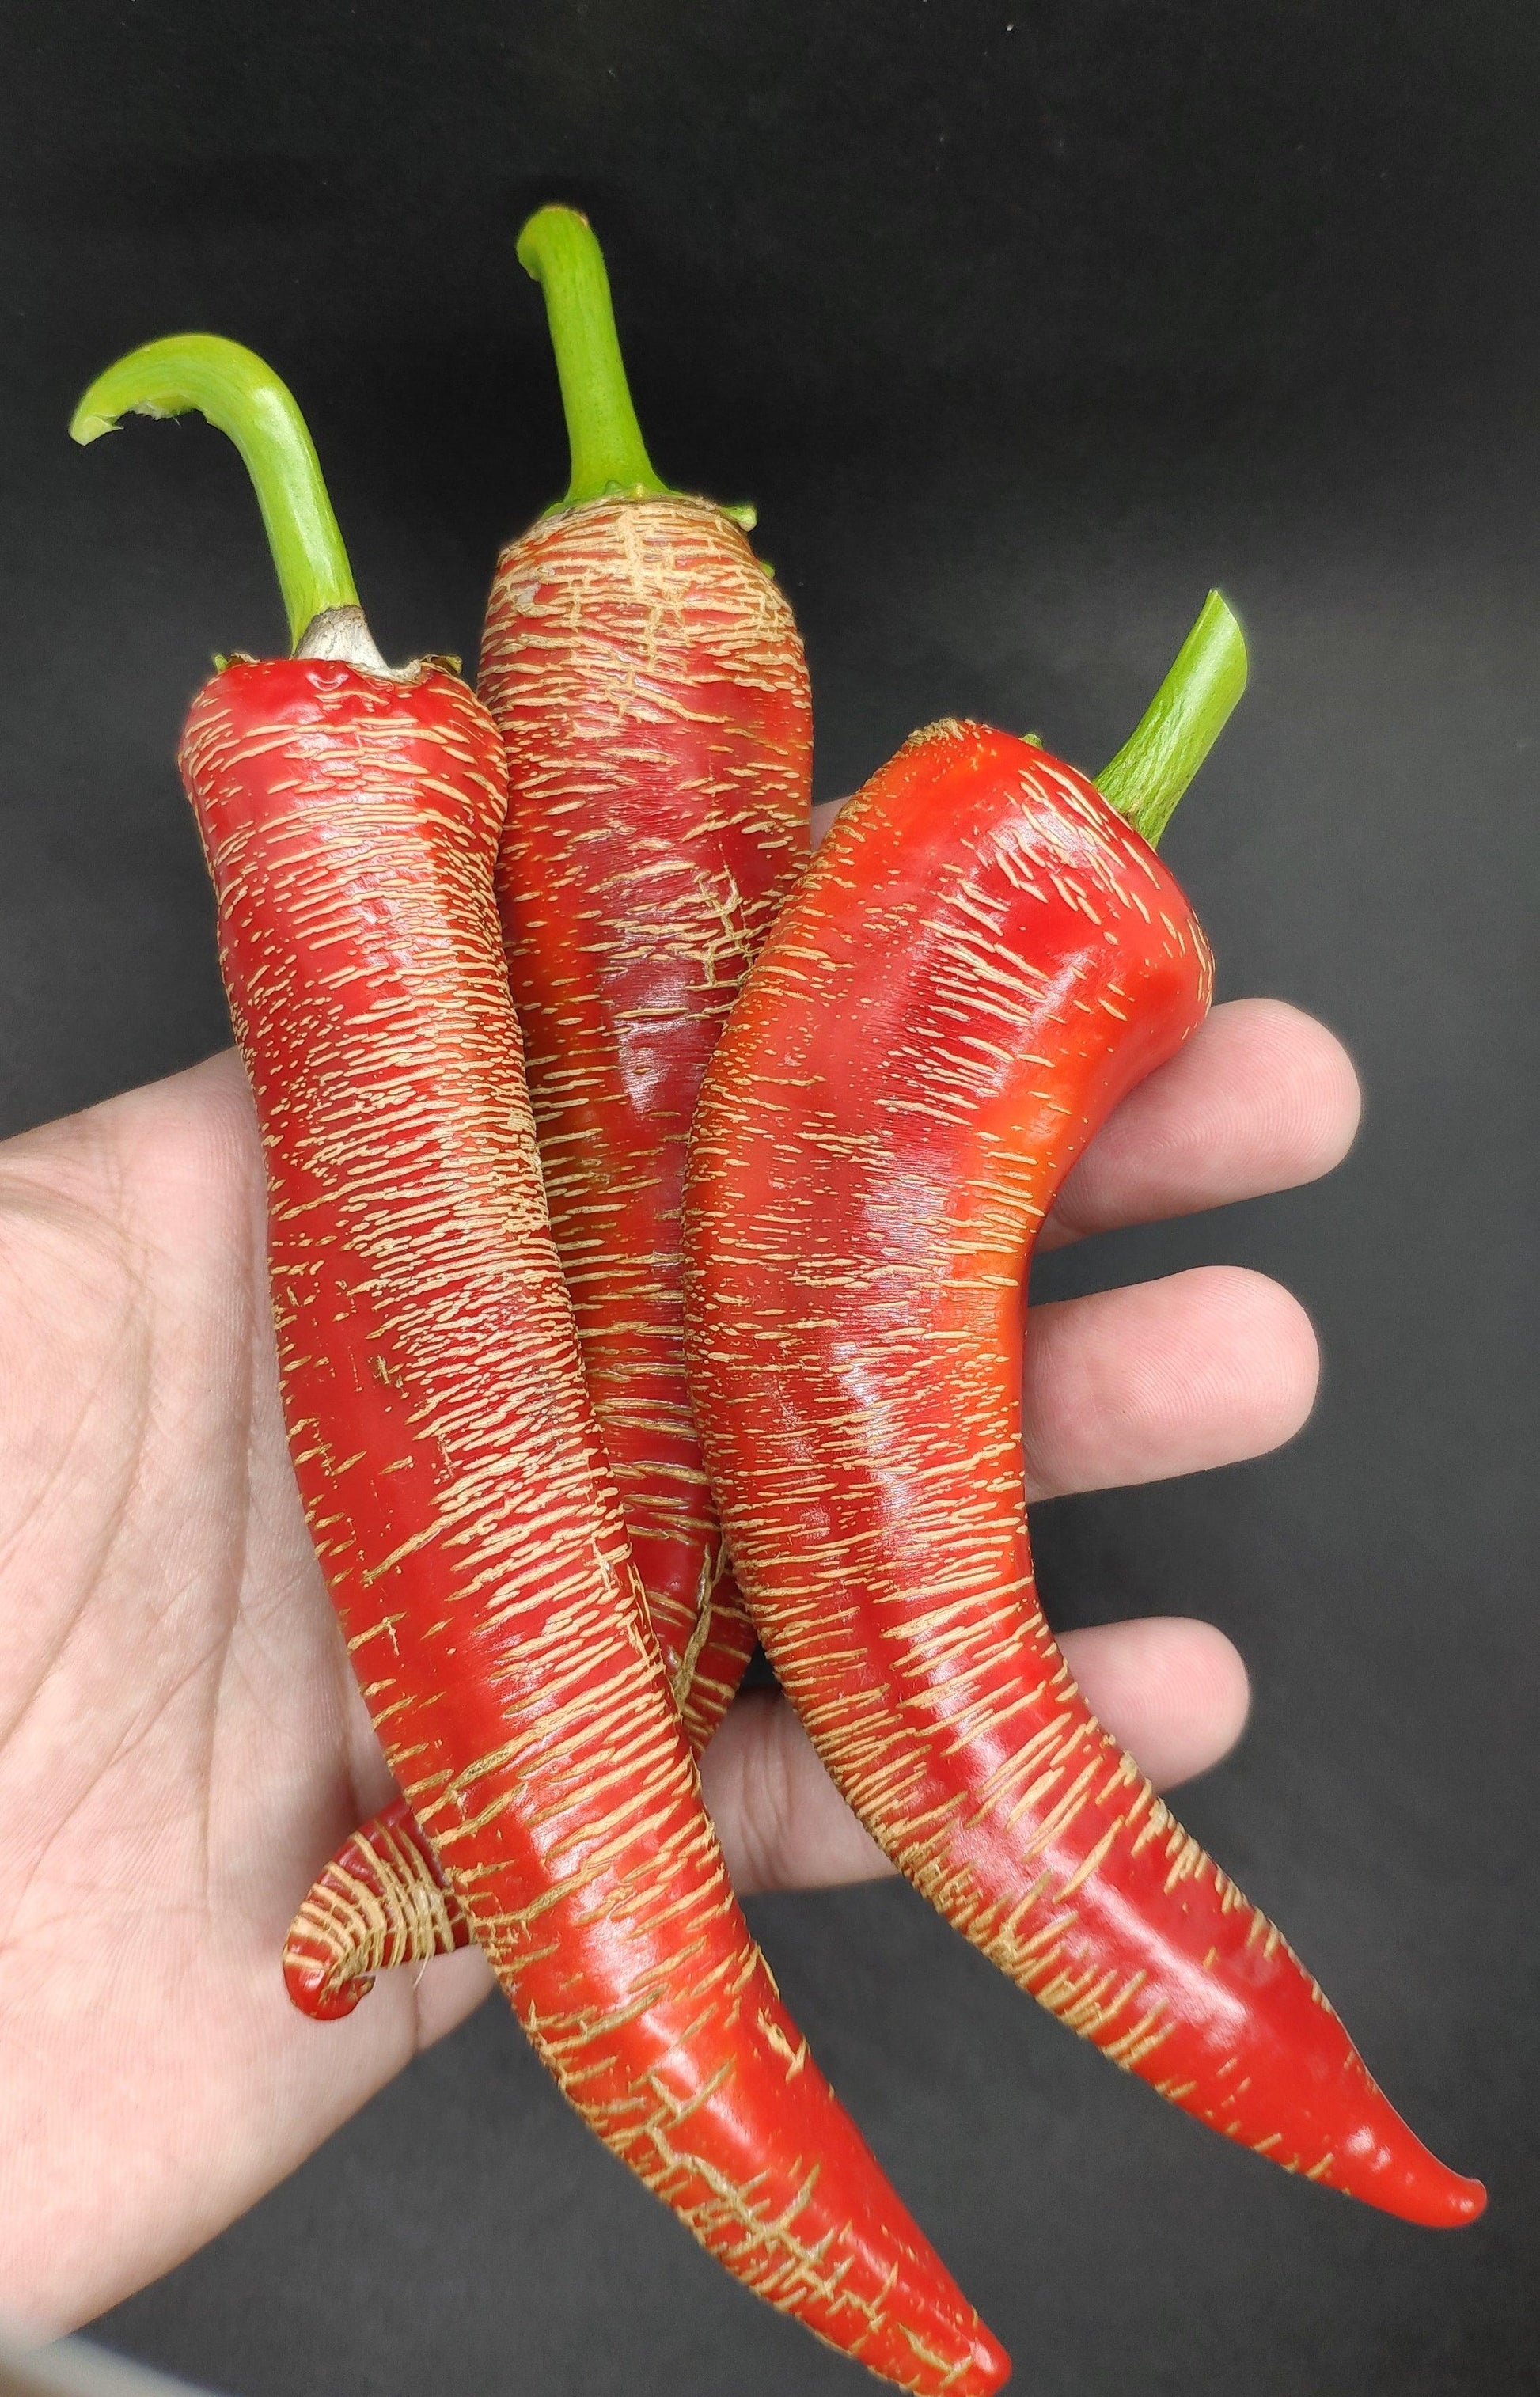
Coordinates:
x,y
646,673
451,1471
984,958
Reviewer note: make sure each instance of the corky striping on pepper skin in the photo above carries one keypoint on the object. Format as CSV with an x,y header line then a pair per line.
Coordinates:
x,y
452,1473
981,960
647,677
645,671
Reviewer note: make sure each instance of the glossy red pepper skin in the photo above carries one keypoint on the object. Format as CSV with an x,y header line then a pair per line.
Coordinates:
x,y
647,677
982,959
455,1485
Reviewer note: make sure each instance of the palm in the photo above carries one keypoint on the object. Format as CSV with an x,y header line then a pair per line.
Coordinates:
x,y
180,1742
180,1739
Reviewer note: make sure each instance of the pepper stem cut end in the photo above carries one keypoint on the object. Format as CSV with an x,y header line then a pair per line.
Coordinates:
x,y
236,391
1181,724
558,249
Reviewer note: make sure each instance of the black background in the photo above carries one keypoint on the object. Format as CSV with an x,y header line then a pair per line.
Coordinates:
x,y
1022,324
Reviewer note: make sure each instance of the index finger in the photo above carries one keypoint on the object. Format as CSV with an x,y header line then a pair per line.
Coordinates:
x,y
1262,1098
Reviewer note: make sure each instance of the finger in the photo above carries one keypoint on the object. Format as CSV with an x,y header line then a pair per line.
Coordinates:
x,y
1205,1368
781,1822
1262,1098
446,1991
822,817
1173,1692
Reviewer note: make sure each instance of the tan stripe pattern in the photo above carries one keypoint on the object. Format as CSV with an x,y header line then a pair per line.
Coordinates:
x,y
646,675
381,1901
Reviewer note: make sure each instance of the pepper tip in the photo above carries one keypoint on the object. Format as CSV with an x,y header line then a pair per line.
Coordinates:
x,y
991,2364
1407,2179
1467,2203
1449,2203
314,1991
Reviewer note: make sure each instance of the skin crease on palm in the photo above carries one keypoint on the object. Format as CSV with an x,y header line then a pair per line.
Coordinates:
x,y
180,1742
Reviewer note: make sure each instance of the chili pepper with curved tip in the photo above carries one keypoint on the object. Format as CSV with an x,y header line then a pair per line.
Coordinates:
x,y
452,1474
984,958
646,673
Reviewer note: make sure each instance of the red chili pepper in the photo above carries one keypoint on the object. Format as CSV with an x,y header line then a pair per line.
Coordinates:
x,y
450,1466
982,959
646,675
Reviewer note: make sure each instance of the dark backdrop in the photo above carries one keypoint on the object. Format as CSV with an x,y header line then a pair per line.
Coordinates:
x,y
1022,323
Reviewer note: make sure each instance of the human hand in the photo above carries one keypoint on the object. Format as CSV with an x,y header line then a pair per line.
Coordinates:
x,y
181,1742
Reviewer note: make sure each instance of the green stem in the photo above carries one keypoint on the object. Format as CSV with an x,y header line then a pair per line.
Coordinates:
x,y
1181,724
558,249
245,398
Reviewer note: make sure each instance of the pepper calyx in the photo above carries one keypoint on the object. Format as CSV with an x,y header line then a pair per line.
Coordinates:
x,y
239,392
